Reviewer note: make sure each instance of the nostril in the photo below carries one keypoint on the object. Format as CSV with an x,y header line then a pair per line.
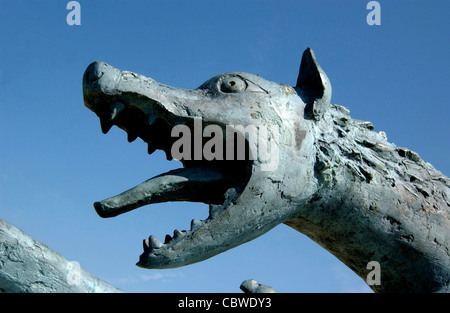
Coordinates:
x,y
95,71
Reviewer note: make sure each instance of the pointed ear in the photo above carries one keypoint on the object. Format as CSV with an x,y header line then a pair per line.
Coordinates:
x,y
314,86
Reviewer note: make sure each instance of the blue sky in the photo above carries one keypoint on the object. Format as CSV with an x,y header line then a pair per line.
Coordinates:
x,y
56,162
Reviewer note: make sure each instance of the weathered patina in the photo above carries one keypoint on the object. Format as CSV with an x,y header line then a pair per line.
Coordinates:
x,y
29,266
335,179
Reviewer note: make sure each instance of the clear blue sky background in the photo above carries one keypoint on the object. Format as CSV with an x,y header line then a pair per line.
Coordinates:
x,y
56,162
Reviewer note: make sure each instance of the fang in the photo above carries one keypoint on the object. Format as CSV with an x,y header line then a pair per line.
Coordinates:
x,y
116,109
167,239
105,125
154,242
131,137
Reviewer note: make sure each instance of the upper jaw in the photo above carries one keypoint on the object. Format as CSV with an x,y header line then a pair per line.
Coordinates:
x,y
142,108
149,119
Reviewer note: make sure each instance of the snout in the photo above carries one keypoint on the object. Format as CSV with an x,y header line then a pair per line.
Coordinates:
x,y
94,71
99,79
104,86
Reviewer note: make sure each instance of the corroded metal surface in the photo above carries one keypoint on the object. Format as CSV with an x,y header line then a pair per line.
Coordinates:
x,y
331,177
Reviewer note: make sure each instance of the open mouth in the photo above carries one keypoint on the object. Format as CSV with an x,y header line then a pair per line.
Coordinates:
x,y
217,182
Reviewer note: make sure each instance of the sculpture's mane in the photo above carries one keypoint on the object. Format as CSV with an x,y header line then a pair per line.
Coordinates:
x,y
350,145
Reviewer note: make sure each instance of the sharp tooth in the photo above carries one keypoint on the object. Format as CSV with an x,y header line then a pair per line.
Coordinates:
x,y
215,210
167,239
168,155
151,118
195,224
150,148
146,244
177,233
116,109
154,242
131,136
105,124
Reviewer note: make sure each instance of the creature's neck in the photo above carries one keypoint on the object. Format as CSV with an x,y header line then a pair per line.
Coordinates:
x,y
378,202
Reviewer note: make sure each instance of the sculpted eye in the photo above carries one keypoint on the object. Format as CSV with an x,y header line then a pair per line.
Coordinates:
x,y
233,84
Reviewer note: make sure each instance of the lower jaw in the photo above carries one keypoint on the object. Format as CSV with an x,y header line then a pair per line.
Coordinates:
x,y
194,184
